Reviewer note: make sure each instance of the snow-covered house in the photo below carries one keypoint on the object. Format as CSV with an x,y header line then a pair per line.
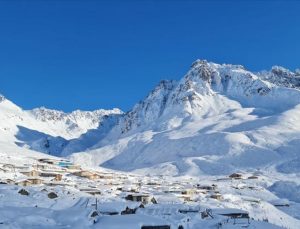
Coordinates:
x,y
56,176
68,165
35,180
189,192
232,213
206,187
156,227
253,177
144,198
92,191
235,176
216,196
87,174
48,161
23,182
30,172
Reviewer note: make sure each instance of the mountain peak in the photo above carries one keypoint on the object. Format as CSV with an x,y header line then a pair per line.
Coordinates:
x,y
204,90
199,62
43,113
281,71
281,76
202,69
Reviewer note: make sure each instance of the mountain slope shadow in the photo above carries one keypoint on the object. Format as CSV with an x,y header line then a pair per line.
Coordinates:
x,y
39,141
92,137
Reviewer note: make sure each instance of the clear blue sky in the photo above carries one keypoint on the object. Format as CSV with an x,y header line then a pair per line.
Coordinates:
x,y
103,54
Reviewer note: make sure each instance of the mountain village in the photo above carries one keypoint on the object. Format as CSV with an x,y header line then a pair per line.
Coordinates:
x,y
109,195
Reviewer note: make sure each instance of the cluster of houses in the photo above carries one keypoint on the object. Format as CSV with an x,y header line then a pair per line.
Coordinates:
x,y
50,172
54,172
134,188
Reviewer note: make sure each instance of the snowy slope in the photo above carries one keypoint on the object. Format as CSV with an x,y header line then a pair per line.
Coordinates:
x,y
45,130
216,119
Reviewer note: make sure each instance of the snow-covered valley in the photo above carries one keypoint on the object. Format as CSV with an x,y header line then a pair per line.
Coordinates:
x,y
174,151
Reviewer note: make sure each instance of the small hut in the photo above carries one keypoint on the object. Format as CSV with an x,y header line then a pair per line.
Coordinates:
x,y
206,187
232,213
216,196
91,191
235,176
128,211
156,227
252,177
48,161
144,198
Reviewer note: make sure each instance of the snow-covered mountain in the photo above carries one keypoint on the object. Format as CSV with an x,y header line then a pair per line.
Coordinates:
x,y
45,130
282,77
216,119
